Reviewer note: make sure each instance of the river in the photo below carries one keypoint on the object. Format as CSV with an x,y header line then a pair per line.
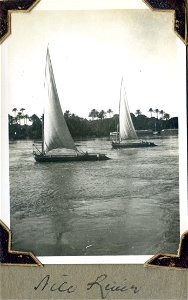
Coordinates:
x,y
128,205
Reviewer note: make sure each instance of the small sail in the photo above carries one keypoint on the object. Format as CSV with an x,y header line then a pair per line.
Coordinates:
x,y
126,130
56,133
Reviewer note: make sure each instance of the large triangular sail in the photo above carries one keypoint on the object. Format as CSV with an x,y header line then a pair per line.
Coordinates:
x,y
126,127
55,131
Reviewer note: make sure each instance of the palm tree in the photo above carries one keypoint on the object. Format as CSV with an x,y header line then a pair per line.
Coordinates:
x,y
19,116
15,110
138,112
166,116
151,111
22,110
157,112
26,118
102,114
15,114
93,113
67,114
162,113
110,112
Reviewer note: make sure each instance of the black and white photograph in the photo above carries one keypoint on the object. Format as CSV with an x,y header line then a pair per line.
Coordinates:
x,y
95,116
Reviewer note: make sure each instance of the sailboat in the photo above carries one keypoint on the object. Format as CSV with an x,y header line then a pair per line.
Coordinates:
x,y
55,132
126,135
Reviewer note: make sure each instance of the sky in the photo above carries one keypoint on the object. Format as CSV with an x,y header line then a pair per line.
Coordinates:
x,y
90,51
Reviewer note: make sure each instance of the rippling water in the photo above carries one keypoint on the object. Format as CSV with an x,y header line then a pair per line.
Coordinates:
x,y
126,205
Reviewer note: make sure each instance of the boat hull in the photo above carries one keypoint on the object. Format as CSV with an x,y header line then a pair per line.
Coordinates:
x,y
133,145
69,158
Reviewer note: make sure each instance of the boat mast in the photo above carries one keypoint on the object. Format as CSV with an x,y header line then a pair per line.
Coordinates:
x,y
117,133
47,53
42,133
119,107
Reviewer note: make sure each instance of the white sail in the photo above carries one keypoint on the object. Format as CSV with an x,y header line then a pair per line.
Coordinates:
x,y
126,127
55,132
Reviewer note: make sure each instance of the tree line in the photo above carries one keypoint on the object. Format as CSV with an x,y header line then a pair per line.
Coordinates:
x,y
100,124
94,114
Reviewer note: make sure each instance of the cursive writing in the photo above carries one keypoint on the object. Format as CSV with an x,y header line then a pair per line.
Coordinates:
x,y
105,287
102,283
63,286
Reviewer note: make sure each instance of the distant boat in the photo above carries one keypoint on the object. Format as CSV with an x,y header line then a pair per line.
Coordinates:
x,y
55,133
127,136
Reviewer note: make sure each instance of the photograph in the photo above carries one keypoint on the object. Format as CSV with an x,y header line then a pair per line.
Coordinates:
x,y
93,114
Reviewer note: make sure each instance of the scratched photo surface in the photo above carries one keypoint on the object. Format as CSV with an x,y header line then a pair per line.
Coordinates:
x,y
129,204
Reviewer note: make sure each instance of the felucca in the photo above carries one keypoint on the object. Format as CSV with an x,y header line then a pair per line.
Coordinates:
x,y
55,132
126,136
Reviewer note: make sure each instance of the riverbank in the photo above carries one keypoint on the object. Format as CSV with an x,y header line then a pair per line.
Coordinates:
x,y
84,128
